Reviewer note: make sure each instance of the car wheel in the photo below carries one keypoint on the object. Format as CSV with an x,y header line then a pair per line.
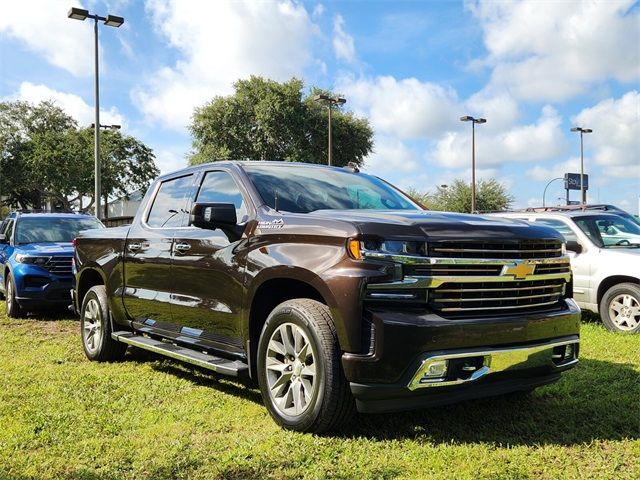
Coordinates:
x,y
95,328
13,308
299,369
620,308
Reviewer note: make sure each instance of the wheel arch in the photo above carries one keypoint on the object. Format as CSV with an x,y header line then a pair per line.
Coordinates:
x,y
612,280
271,292
89,277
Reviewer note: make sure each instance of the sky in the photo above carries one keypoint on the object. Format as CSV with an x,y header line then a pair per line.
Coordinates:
x,y
532,68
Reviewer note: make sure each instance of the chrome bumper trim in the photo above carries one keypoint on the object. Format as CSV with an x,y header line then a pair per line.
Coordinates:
x,y
495,360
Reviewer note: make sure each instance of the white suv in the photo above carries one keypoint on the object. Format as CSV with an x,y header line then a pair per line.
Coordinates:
x,y
605,259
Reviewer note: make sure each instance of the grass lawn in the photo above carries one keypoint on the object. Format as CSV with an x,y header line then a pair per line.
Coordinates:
x,y
62,416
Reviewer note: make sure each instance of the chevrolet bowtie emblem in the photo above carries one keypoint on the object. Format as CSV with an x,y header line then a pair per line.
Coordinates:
x,y
519,271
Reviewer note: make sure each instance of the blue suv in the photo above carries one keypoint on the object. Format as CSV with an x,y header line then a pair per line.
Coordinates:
x,y
36,252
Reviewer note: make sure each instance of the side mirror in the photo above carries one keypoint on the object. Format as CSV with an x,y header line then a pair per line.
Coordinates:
x,y
213,215
574,246
3,239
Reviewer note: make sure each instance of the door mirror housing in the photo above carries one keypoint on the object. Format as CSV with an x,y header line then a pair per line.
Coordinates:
x,y
213,215
574,246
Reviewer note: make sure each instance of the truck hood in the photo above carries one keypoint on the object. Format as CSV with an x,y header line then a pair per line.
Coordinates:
x,y
59,248
438,225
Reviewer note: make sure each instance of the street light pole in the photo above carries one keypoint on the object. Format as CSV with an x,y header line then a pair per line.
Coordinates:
x,y
545,190
473,121
330,101
110,21
583,192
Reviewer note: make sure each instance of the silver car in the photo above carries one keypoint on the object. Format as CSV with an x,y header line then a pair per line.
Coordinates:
x,y
605,260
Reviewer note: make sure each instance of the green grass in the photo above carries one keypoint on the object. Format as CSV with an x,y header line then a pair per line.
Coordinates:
x,y
62,416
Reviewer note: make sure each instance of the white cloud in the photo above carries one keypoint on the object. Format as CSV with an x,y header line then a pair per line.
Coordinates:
x,y
501,109
220,42
169,160
555,50
616,134
318,10
405,108
546,172
44,28
390,155
72,104
521,143
342,42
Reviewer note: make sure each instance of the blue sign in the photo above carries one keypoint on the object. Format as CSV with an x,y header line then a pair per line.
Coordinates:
x,y
572,181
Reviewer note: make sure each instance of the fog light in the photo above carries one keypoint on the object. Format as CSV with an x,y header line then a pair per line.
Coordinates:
x,y
436,370
568,352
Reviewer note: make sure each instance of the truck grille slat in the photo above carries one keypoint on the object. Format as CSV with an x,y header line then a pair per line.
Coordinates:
x,y
516,249
461,298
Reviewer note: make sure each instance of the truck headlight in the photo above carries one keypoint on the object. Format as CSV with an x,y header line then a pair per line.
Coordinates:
x,y
395,247
32,259
564,248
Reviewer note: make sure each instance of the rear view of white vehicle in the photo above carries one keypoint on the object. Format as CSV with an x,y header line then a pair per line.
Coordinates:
x,y
605,260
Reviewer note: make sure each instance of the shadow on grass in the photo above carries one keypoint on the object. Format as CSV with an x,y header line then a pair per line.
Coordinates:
x,y
597,400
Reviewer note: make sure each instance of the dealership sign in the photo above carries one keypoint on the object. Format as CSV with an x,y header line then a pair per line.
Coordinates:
x,y
572,181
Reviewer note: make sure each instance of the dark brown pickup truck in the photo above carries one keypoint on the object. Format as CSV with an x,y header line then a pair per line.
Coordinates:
x,y
329,287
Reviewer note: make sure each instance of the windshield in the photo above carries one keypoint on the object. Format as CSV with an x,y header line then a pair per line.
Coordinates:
x,y
51,229
302,189
610,231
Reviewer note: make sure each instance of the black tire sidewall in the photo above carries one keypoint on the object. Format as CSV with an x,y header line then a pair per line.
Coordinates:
x,y
287,313
99,294
621,288
16,310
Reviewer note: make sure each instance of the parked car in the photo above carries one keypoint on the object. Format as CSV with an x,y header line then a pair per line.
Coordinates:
x,y
590,207
330,288
605,258
35,259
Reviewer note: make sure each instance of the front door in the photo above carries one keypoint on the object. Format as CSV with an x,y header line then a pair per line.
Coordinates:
x,y
208,269
147,253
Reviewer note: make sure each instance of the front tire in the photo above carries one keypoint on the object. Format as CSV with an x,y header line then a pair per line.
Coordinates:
x,y
299,370
95,328
620,308
13,308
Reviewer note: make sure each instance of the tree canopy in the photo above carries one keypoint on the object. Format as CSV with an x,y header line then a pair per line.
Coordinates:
x,y
44,156
491,196
268,120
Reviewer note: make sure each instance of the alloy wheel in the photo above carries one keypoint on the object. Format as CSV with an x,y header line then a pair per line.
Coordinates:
x,y
624,311
291,370
92,326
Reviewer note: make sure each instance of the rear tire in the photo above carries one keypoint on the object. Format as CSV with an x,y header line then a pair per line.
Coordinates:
x,y
13,308
620,308
95,328
299,369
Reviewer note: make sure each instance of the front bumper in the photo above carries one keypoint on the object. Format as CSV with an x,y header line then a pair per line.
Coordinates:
x,y
504,354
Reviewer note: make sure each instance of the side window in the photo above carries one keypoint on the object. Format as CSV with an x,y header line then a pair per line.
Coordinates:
x,y
219,187
8,229
169,206
560,226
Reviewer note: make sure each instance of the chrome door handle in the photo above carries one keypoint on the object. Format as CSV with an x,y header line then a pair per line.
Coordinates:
x,y
134,247
183,247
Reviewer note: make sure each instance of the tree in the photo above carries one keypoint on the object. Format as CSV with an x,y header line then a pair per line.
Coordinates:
x,y
491,196
268,120
44,156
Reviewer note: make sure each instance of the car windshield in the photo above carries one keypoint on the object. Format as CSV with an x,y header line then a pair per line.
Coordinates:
x,y
302,189
610,231
52,229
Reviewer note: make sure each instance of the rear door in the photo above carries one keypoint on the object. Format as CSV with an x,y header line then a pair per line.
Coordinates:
x,y
208,269
147,253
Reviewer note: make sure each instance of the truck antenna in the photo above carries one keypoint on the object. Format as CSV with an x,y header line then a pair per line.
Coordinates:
x,y
275,203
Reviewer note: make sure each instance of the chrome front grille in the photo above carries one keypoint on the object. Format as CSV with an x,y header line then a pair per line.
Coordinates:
x,y
457,287
462,297
516,249
59,266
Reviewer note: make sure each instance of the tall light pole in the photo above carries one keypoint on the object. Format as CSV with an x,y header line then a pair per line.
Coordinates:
x,y
583,192
468,118
330,101
110,21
